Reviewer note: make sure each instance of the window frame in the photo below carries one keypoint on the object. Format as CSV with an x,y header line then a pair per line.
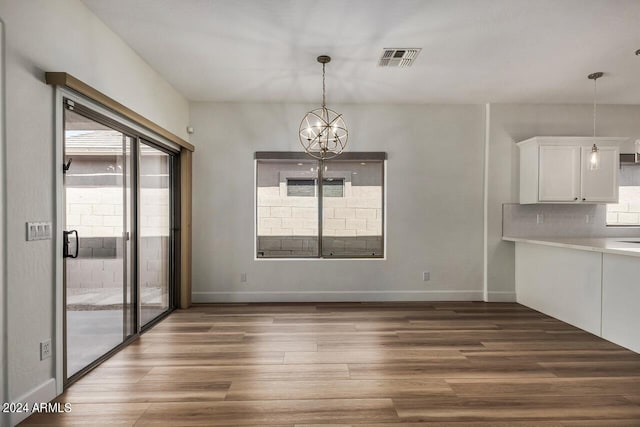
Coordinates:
x,y
349,156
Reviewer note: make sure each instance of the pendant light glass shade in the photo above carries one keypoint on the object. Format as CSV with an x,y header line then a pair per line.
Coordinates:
x,y
323,132
594,157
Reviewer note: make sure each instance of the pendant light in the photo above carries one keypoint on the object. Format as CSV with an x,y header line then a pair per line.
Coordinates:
x,y
594,157
323,133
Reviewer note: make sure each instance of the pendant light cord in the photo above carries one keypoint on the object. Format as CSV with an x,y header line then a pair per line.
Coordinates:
x,y
595,94
323,87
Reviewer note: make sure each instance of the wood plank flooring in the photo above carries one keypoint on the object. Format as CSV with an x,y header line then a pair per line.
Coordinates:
x,y
373,364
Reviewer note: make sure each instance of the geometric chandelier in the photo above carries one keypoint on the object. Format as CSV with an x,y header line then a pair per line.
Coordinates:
x,y
323,133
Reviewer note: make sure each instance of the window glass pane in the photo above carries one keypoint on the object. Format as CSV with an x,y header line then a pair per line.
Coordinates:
x,y
352,222
627,210
287,208
333,187
95,207
155,227
301,187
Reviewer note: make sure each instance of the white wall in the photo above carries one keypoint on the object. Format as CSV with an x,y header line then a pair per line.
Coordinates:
x,y
3,307
56,35
434,204
511,123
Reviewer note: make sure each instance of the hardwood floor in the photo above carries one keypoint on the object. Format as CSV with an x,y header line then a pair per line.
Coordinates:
x,y
374,364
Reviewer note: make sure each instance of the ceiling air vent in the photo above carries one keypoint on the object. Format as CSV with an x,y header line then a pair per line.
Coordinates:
x,y
398,57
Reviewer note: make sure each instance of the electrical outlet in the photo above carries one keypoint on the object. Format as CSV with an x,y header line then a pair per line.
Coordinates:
x,y
426,276
243,277
539,218
588,219
45,349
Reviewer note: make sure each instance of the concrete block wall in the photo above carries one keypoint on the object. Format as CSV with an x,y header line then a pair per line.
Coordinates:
x,y
98,211
95,211
154,212
95,273
99,247
287,246
307,246
288,225
358,213
154,261
98,270
627,212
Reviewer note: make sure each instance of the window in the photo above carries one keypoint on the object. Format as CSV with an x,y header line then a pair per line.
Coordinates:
x,y
294,221
627,210
333,187
301,187
307,187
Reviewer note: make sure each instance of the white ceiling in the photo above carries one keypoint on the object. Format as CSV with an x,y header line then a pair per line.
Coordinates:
x,y
473,51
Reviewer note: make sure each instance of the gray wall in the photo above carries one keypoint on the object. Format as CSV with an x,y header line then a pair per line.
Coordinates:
x,y
511,123
434,204
56,35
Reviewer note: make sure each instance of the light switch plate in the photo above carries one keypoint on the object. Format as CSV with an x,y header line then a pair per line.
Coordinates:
x,y
38,231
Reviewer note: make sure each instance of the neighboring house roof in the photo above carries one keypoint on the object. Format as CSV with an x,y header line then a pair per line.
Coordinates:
x,y
98,143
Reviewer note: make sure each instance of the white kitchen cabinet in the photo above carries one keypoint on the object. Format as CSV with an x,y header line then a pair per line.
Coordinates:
x,y
558,173
620,299
600,185
556,170
563,283
588,288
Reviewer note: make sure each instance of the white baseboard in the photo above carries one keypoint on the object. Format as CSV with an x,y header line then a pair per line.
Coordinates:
x,y
45,392
335,296
501,296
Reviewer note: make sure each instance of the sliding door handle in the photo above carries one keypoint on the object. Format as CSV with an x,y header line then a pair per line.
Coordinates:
x,y
65,247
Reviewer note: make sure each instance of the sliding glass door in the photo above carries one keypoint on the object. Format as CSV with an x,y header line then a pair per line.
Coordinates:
x,y
156,217
97,246
118,239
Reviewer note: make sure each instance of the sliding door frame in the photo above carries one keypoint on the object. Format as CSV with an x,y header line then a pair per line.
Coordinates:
x,y
138,133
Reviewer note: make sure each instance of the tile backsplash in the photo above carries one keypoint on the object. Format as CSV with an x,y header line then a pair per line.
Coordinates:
x,y
560,221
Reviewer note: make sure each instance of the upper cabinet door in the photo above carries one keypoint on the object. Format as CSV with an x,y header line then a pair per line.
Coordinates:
x,y
600,185
559,173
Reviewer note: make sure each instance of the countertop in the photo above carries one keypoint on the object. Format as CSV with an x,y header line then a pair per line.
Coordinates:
x,y
608,245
